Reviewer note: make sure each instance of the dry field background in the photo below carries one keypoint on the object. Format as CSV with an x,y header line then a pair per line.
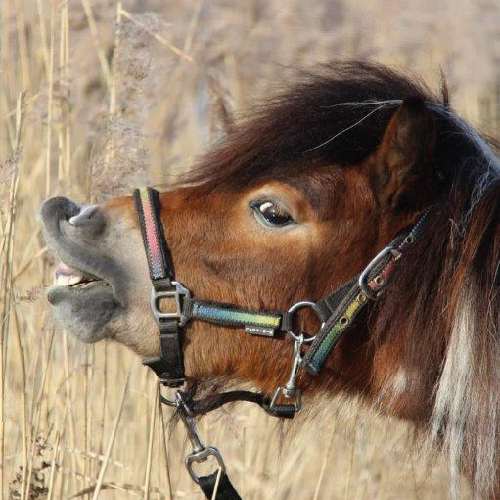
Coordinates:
x,y
98,96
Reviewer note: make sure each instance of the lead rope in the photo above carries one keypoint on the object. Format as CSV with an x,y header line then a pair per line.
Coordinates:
x,y
217,483
336,312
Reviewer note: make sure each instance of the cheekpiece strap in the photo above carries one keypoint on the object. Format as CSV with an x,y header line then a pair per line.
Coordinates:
x,y
349,300
169,366
147,204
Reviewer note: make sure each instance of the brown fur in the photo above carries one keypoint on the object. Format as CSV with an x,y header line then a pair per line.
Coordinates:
x,y
351,189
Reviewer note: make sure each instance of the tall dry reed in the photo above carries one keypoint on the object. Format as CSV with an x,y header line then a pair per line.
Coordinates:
x,y
99,95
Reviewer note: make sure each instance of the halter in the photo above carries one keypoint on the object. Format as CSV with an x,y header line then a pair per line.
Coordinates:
x,y
336,313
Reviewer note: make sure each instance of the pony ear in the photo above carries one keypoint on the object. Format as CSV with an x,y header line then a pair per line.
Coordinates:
x,y
221,109
404,172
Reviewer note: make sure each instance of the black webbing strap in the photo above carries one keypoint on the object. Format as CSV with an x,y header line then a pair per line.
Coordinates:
x,y
169,365
330,305
346,305
225,490
351,301
203,406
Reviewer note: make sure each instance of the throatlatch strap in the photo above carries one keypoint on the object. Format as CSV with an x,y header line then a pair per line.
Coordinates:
x,y
169,366
225,490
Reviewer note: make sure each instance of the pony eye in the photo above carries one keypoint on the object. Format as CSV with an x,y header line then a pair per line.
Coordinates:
x,y
272,214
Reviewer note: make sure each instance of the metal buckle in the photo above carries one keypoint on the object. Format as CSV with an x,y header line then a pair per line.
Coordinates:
x,y
180,293
365,275
300,305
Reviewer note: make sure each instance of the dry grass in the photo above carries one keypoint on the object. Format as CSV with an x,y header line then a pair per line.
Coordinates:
x,y
97,96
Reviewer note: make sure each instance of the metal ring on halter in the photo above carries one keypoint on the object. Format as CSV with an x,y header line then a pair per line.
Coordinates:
x,y
300,305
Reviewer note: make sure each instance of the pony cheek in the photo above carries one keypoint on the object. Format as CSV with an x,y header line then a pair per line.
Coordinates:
x,y
136,329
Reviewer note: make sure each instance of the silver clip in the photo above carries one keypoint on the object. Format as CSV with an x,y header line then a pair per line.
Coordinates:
x,y
289,390
200,452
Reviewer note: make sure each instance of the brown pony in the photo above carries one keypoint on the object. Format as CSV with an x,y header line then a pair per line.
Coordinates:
x,y
293,203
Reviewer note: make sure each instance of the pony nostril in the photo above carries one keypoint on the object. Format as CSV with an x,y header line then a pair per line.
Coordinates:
x,y
85,216
90,219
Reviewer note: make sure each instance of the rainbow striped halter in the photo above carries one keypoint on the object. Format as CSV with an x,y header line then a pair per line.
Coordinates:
x,y
336,312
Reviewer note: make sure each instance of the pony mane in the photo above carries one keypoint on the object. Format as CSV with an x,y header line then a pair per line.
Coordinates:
x,y
445,303
441,312
335,115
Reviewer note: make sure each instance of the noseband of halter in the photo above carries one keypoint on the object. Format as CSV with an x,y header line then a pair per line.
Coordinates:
x,y
336,313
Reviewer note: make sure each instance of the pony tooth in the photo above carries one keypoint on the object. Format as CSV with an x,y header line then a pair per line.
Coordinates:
x,y
66,275
65,280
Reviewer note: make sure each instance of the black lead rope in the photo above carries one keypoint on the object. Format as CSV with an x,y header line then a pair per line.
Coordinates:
x,y
216,485
225,490
336,312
